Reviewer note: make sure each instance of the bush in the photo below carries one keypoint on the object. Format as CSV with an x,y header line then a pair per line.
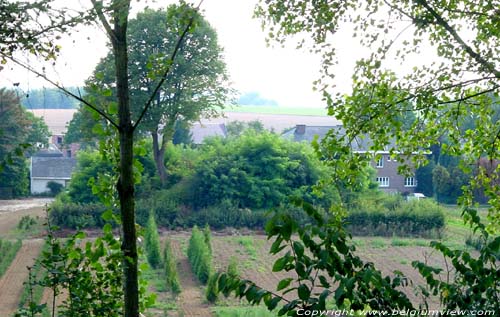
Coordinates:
x,y
212,291
152,242
76,216
232,268
172,277
199,255
55,188
417,218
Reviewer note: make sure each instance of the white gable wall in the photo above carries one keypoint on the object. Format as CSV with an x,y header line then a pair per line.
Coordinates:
x,y
39,185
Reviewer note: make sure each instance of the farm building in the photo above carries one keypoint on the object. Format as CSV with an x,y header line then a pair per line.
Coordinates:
x,y
388,178
49,165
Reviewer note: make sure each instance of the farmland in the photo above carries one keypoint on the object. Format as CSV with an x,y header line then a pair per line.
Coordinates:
x,y
249,248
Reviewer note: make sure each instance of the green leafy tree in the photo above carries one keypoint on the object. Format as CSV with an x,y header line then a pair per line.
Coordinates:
x,y
423,175
196,85
254,171
21,33
18,127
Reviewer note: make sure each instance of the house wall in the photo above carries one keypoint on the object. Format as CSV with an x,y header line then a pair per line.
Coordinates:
x,y
396,181
39,186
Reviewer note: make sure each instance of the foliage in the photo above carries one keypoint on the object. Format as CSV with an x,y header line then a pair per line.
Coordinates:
x,y
232,267
171,274
199,255
26,223
459,83
196,85
423,175
416,218
8,249
88,273
19,133
152,242
254,171
55,187
473,282
77,216
212,290
236,128
242,311
325,265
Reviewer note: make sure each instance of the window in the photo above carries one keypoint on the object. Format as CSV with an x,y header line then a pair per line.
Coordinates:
x,y
380,162
410,182
383,181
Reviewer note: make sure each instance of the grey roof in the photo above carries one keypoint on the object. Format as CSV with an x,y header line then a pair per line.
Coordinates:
x,y
304,133
201,131
52,167
51,151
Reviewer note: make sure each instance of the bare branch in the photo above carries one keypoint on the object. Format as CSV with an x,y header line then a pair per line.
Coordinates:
x,y
98,9
60,87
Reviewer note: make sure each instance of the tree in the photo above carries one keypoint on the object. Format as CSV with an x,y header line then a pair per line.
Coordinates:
x,y
462,80
195,87
18,127
113,16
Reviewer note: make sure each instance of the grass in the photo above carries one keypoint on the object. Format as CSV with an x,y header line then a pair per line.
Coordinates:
x,y
34,290
242,311
8,251
302,111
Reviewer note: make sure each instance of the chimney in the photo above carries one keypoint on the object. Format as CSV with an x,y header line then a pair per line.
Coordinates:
x,y
300,129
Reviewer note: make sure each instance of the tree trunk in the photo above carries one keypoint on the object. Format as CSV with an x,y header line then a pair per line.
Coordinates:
x,y
125,184
159,149
159,157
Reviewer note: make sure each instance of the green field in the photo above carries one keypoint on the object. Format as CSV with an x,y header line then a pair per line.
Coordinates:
x,y
303,111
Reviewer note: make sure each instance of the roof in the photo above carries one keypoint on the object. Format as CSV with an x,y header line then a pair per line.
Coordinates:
x,y
201,131
51,151
52,167
302,132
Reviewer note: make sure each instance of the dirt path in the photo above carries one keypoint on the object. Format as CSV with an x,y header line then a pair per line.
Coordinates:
x,y
191,300
11,284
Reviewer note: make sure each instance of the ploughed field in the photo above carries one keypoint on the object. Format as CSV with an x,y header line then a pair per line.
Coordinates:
x,y
249,249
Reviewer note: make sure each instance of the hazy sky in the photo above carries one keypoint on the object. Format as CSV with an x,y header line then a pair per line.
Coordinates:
x,y
282,74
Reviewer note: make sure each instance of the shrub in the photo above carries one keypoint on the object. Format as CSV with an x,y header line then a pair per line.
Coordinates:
x,y
199,255
55,188
76,216
152,242
172,277
232,268
422,218
212,291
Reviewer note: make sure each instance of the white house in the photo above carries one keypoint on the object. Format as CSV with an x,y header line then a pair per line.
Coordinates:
x,y
50,165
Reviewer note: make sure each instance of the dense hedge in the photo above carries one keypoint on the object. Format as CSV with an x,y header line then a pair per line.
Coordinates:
x,y
422,218
76,216
199,255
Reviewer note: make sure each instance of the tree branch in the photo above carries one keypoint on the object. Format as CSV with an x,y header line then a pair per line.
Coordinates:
x,y
98,9
60,87
169,67
440,21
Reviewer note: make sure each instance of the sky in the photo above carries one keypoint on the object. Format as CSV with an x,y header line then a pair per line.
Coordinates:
x,y
285,75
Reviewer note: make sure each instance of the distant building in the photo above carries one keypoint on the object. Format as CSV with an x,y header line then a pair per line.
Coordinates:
x,y
388,178
50,165
67,150
201,131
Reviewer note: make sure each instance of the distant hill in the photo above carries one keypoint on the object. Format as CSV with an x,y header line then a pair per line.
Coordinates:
x,y
49,98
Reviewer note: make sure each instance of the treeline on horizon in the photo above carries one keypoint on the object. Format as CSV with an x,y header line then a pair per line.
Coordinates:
x,y
50,98
53,98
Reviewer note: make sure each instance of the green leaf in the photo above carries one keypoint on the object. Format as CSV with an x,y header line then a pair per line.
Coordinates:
x,y
284,283
304,292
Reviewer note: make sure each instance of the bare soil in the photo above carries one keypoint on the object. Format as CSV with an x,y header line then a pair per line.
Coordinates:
x,y
191,300
11,211
11,284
